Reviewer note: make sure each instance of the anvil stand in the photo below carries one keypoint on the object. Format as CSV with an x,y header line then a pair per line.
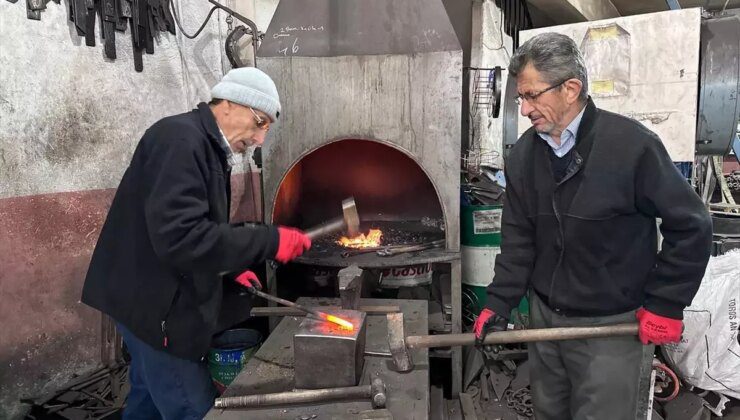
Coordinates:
x,y
271,369
452,311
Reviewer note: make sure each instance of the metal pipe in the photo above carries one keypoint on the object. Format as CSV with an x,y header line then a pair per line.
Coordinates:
x,y
282,301
296,397
523,336
281,311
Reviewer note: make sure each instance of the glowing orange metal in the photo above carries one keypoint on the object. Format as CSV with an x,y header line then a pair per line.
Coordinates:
x,y
372,239
341,322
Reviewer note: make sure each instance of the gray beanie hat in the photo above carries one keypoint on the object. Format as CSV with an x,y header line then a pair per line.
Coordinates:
x,y
250,87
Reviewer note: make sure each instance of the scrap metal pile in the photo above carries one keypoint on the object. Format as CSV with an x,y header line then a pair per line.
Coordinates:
x,y
97,395
502,392
484,188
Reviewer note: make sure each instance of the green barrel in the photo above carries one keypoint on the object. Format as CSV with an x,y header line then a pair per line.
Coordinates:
x,y
230,352
480,225
480,238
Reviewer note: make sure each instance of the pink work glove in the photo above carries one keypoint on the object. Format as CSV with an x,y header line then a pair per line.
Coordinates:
x,y
291,245
249,280
658,329
487,322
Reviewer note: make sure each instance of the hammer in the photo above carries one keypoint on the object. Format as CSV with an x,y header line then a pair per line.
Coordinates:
x,y
400,344
349,220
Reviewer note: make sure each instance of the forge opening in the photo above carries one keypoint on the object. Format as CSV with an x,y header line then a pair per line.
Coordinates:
x,y
387,184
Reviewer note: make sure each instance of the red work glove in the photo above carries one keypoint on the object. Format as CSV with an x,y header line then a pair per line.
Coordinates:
x,y
291,245
488,321
249,280
658,329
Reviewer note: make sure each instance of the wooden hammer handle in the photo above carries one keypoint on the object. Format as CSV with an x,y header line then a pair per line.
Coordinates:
x,y
522,336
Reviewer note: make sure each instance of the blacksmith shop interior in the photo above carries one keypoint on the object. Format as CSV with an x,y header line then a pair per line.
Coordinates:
x,y
370,209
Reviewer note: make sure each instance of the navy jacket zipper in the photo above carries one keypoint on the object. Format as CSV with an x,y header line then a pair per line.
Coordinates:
x,y
572,170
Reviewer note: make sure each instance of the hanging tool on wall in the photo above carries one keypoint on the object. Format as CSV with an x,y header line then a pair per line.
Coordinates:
x,y
234,35
34,7
233,40
144,18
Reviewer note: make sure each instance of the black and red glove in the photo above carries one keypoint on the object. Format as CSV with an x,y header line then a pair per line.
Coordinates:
x,y
658,329
487,322
291,245
249,280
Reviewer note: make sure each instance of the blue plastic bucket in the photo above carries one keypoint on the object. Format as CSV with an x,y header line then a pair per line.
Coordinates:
x,y
230,352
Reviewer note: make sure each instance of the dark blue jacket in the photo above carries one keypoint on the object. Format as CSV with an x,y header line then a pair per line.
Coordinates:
x,y
167,239
587,244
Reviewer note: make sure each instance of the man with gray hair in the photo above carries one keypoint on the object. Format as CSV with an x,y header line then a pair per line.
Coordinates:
x,y
584,189
167,262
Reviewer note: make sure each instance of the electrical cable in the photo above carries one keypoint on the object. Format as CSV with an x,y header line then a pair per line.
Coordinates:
x,y
179,25
501,33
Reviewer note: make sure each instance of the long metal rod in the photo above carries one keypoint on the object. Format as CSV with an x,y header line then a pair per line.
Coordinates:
x,y
281,311
282,301
295,397
522,336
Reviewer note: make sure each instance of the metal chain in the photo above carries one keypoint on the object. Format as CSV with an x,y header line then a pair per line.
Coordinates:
x,y
733,180
520,401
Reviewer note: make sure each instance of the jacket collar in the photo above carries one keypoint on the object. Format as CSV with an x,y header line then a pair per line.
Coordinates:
x,y
208,120
584,139
582,148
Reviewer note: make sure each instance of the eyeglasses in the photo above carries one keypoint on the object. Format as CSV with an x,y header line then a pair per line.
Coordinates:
x,y
531,97
261,122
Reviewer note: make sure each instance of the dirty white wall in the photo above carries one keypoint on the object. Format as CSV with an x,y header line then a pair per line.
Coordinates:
x,y
69,122
661,62
56,93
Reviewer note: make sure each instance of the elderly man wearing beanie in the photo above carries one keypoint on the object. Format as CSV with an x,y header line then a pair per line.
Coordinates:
x,y
167,260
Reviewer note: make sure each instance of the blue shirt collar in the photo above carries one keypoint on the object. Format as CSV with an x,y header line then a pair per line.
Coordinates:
x,y
567,138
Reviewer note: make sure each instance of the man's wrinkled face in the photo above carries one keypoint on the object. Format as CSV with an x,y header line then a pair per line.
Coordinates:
x,y
249,127
545,104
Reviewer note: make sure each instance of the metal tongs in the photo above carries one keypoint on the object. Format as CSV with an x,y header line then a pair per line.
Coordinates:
x,y
391,251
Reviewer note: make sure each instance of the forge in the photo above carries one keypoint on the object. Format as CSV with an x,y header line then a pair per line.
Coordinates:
x,y
371,97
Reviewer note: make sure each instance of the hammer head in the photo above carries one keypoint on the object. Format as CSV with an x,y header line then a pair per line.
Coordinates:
x,y
351,218
397,342
350,286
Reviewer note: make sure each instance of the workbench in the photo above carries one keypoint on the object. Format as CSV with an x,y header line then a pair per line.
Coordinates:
x,y
271,370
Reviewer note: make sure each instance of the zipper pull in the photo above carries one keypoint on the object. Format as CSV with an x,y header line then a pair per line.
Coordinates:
x,y
164,331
